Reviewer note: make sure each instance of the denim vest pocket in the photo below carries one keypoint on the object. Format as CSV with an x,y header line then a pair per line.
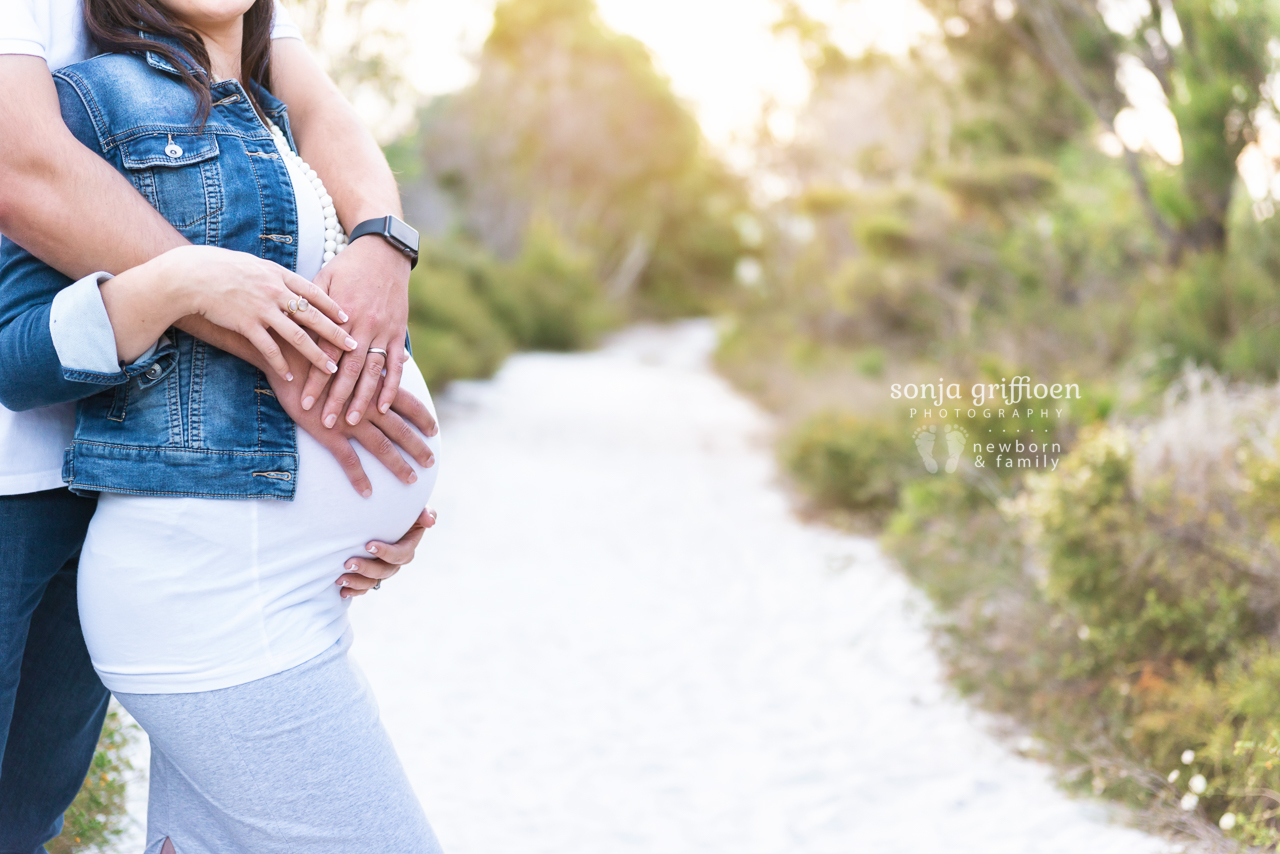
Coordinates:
x,y
180,176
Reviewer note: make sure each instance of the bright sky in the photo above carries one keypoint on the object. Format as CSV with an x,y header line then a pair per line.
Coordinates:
x,y
719,54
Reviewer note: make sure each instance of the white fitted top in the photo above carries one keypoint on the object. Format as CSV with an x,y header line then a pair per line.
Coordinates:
x,y
179,595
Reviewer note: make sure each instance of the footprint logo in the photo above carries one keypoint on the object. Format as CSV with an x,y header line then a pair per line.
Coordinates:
x,y
925,439
956,437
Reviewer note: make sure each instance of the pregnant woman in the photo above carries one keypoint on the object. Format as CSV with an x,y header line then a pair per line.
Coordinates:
x,y
207,594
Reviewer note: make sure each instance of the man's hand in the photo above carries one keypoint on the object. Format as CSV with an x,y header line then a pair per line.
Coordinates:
x,y
380,434
364,572
370,279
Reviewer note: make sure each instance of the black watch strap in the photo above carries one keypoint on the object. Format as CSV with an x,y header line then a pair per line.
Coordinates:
x,y
395,231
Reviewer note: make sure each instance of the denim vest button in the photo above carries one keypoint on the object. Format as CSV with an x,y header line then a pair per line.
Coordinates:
x,y
153,372
173,150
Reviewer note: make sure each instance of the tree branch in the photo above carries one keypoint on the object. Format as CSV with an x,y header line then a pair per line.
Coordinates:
x,y
1056,49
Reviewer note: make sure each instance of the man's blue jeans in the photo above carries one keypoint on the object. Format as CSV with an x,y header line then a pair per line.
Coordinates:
x,y
51,702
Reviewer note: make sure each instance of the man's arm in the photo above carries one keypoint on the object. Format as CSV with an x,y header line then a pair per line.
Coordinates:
x,y
60,201
370,279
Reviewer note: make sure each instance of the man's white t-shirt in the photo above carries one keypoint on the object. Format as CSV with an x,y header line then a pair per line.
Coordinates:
x,y
31,443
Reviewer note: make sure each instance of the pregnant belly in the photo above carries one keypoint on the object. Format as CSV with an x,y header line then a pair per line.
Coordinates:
x,y
190,594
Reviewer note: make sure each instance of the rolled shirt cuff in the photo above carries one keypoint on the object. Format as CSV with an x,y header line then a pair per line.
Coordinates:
x,y
81,330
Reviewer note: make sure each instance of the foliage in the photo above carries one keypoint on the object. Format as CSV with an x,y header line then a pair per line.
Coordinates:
x,y
1149,575
570,123
1210,59
468,311
968,211
362,45
97,815
849,462
1124,605
1220,310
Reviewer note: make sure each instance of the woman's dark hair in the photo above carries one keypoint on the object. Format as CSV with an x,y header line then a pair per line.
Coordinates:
x,y
115,26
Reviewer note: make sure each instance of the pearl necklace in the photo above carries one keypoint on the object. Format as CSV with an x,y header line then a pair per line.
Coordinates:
x,y
335,239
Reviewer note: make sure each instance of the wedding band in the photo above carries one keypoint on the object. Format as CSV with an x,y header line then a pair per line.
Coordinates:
x,y
378,584
378,350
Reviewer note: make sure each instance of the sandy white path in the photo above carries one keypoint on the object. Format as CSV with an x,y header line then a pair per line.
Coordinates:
x,y
619,639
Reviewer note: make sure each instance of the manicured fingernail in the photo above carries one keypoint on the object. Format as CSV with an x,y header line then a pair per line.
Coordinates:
x,y
342,315
373,549
330,420
333,369
367,493
353,567
353,417
433,514
413,477
351,343
307,403
342,582
288,377
384,407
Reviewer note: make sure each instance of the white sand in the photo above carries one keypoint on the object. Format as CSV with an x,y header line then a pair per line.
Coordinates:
x,y
619,639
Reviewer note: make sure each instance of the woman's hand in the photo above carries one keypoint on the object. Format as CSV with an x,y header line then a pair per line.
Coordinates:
x,y
245,294
385,561
234,290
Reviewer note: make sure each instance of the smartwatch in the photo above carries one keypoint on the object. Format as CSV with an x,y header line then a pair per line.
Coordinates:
x,y
395,231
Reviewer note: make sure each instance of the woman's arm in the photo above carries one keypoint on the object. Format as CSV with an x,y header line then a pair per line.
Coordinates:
x,y
233,290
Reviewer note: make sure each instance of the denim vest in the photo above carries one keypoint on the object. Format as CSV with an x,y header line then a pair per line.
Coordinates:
x,y
193,420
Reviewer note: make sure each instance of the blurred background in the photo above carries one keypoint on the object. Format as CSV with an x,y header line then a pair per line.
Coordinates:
x,y
846,196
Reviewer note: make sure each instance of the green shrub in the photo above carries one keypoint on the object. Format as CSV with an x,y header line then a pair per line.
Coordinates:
x,y
1143,570
882,301
941,524
559,304
97,815
469,311
849,462
455,334
1124,607
1230,723
1221,309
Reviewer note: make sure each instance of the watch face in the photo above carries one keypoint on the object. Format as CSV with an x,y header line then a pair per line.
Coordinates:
x,y
402,233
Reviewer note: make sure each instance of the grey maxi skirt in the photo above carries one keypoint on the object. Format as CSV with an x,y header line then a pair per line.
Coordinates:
x,y
297,761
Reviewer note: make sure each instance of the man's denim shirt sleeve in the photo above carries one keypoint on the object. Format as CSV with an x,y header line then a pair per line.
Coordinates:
x,y
82,334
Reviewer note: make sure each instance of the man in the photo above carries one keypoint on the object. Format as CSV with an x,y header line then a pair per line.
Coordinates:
x,y
72,210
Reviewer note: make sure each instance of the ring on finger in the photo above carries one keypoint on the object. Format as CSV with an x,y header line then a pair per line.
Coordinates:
x,y
378,584
296,305
378,350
